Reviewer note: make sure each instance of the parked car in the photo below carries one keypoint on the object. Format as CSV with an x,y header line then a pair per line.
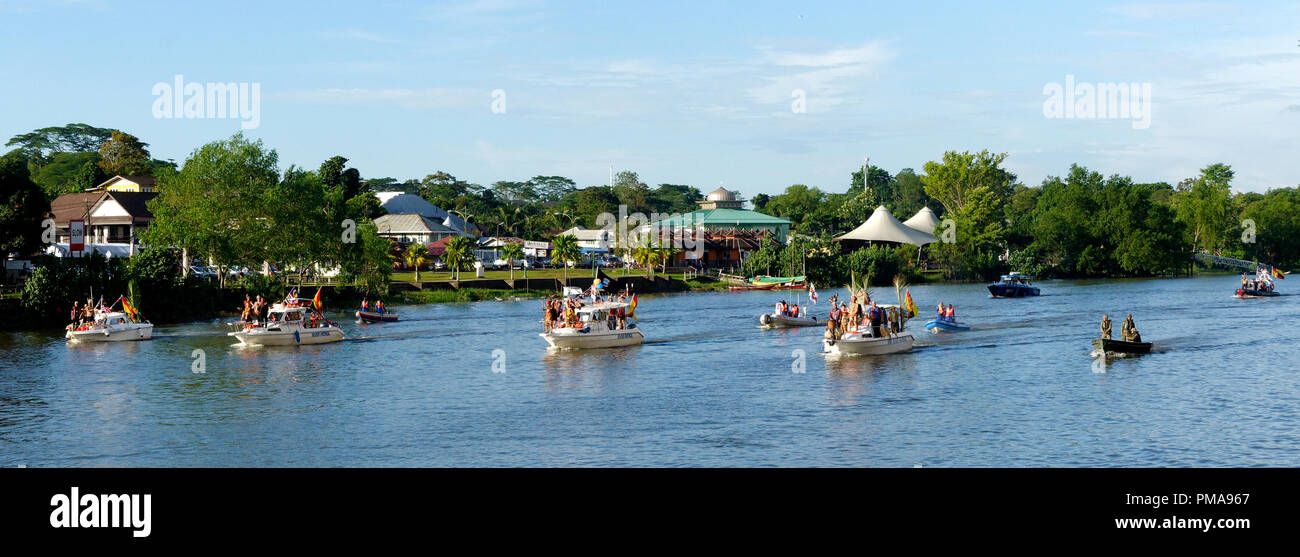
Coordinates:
x,y
201,272
439,265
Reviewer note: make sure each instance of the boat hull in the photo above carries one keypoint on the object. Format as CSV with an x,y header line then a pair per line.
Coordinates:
x,y
779,322
868,346
371,317
1120,347
1247,294
940,327
141,332
617,338
285,337
1012,291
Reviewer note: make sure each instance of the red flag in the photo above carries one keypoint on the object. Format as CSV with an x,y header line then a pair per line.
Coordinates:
x,y
315,301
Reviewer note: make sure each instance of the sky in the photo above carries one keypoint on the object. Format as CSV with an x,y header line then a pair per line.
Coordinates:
x,y
754,96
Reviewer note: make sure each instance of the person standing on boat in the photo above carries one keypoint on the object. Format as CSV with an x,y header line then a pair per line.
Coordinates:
x,y
75,313
365,304
832,328
951,314
835,313
379,306
1105,327
1129,330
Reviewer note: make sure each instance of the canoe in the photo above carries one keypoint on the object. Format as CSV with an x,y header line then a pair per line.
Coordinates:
x,y
780,322
371,317
1120,346
936,326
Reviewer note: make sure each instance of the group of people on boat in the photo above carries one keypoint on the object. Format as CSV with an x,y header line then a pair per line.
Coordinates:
x,y
784,309
83,316
1258,284
860,315
254,310
561,312
946,313
1128,329
379,306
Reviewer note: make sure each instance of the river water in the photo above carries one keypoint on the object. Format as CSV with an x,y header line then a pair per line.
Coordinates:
x,y
473,385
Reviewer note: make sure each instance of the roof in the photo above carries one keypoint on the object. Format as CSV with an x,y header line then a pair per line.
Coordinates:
x,y
721,217
410,223
134,203
721,194
883,227
71,206
588,234
400,202
924,220
143,181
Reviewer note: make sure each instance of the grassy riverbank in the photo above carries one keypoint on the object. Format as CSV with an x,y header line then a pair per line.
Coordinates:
x,y
461,295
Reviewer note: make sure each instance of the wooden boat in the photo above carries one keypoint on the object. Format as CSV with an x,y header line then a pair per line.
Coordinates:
x,y
938,326
1109,346
372,317
763,282
774,321
1014,285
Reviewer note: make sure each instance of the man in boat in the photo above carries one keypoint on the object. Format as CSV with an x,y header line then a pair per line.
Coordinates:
x,y
1105,327
1129,330
365,304
832,330
379,306
873,317
951,314
835,312
939,313
794,311
76,313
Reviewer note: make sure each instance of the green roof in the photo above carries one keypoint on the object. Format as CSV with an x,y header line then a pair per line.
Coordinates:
x,y
722,217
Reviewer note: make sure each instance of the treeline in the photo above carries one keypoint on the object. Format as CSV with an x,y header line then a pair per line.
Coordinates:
x,y
1082,224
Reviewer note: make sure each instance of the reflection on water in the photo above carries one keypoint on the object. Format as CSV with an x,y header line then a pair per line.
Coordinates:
x,y
709,388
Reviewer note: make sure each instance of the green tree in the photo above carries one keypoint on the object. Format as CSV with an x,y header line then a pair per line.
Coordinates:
x,y
40,145
124,154
512,252
458,254
1204,206
416,256
564,248
952,181
22,206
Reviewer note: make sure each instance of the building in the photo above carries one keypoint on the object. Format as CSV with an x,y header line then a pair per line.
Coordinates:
x,y
592,240
721,211
132,184
399,202
410,228
113,219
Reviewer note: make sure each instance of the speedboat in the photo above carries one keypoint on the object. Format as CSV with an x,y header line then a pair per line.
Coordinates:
x,y
777,321
857,343
111,326
1259,288
1014,285
290,323
938,326
372,317
593,329
1111,347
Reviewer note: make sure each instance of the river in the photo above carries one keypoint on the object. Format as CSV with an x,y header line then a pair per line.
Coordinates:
x,y
709,388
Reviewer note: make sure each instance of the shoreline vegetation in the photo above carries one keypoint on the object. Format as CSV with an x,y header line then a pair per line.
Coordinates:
x,y
230,205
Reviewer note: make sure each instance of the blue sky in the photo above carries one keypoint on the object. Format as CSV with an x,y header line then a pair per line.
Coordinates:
x,y
693,93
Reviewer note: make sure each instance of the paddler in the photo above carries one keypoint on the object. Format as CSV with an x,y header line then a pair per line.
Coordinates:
x,y
1129,330
1105,327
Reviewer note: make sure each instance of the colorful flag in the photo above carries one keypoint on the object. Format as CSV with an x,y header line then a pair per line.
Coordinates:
x,y
293,294
631,310
812,292
315,301
1278,273
911,306
129,309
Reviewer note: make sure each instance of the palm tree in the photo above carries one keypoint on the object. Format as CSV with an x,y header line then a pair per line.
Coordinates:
x,y
416,256
506,222
512,252
457,254
565,247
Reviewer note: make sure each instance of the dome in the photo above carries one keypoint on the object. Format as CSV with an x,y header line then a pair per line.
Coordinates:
x,y
721,194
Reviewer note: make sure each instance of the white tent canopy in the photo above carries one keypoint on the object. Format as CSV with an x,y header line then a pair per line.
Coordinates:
x,y
924,220
883,227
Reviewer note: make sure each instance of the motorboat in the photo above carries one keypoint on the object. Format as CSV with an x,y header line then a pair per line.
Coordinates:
x,y
1113,347
1013,285
940,326
292,322
1256,288
374,317
857,342
764,282
111,326
595,329
777,321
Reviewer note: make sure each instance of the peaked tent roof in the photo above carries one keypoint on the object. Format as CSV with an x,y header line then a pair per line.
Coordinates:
x,y
924,220
883,227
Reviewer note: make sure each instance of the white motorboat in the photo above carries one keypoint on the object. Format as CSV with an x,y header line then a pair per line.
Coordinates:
x,y
859,344
291,323
111,326
594,329
778,321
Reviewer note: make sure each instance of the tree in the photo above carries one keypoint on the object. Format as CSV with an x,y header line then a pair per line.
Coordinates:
x,y
631,191
69,173
457,254
124,154
1204,205
795,203
512,252
952,181
40,145
551,189
22,206
565,248
416,256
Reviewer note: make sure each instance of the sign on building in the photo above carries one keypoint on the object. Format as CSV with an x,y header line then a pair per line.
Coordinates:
x,y
76,236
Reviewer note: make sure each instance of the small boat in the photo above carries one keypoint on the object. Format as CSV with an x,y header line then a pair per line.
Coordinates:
x,y
290,323
593,330
111,326
1014,285
372,317
1108,346
763,282
777,321
857,344
1259,288
938,326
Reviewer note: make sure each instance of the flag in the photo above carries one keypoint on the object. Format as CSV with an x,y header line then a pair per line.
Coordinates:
x,y
1278,273
315,301
293,294
911,306
812,292
631,310
129,309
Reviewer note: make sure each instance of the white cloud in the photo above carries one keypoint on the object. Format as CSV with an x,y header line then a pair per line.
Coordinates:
x,y
431,98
